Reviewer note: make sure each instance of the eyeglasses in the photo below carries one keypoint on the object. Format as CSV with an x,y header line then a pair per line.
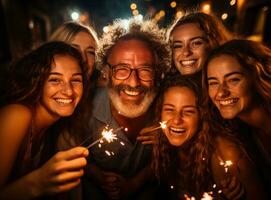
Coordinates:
x,y
124,71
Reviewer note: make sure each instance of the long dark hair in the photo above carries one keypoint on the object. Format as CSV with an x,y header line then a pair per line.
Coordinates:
x,y
27,76
27,79
193,173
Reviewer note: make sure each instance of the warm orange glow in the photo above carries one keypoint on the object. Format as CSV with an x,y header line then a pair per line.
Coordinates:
x,y
232,2
224,16
162,13
206,7
173,4
133,6
179,14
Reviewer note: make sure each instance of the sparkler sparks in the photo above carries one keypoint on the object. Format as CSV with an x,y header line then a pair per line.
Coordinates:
x,y
162,125
107,134
226,164
207,196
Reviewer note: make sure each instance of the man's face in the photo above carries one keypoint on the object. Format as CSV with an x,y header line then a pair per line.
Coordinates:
x,y
133,95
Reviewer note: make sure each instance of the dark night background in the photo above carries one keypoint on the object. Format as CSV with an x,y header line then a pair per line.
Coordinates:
x,y
25,24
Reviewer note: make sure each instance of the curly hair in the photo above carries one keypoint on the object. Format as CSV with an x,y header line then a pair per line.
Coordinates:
x,y
144,30
193,173
255,59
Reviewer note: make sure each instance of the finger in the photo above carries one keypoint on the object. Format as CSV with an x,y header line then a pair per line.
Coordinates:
x,y
109,173
65,187
234,188
145,138
72,153
68,176
148,142
111,180
147,130
240,194
70,165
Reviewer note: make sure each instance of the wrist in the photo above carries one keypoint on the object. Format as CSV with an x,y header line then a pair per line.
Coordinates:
x,y
33,183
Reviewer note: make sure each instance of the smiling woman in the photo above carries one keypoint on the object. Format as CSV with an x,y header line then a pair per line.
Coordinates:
x,y
237,87
189,158
46,87
192,37
82,37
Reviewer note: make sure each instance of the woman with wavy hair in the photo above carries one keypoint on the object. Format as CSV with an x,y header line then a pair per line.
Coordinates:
x,y
45,91
237,84
192,160
82,37
192,37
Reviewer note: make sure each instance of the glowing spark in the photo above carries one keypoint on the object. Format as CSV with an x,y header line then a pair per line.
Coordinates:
x,y
99,145
219,191
122,143
171,187
125,129
163,124
226,164
107,134
207,196
107,152
214,186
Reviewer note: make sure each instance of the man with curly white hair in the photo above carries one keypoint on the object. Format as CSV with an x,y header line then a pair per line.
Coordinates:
x,y
136,55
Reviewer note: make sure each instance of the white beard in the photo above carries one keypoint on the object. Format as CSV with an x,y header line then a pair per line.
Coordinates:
x,y
131,110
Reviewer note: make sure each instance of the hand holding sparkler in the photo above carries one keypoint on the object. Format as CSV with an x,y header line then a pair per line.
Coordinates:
x,y
231,187
146,135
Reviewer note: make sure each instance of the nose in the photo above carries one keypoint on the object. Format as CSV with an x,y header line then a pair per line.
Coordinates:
x,y
223,90
84,56
67,89
186,50
133,80
177,119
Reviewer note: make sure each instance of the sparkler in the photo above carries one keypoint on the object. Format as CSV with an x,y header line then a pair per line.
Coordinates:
x,y
107,134
226,164
162,125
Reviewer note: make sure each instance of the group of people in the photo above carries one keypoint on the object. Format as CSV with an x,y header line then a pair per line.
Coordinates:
x,y
190,106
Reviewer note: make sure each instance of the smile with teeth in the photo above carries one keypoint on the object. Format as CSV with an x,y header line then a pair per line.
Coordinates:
x,y
228,102
64,101
188,62
131,93
177,131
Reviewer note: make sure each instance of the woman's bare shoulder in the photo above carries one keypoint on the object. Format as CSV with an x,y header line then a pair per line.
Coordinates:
x,y
15,115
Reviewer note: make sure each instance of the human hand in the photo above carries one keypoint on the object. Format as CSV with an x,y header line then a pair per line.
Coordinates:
x,y
232,188
117,186
61,173
110,184
147,136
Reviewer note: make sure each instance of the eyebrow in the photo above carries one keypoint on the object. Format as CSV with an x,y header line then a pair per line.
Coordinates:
x,y
123,63
188,106
193,38
78,46
59,74
227,75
